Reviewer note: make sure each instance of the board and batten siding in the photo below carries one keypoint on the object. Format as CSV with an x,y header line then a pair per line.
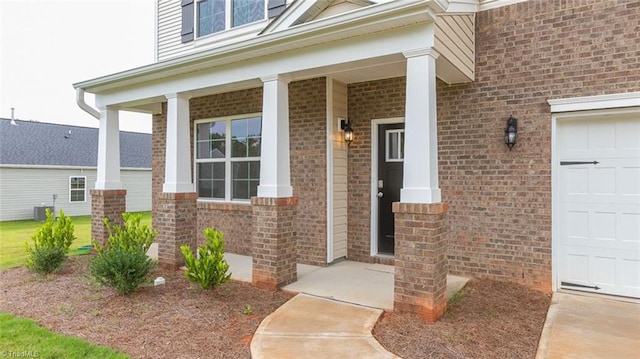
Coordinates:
x,y
339,172
455,41
22,188
169,28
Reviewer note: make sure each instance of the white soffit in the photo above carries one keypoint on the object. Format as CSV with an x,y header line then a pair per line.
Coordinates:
x,y
598,102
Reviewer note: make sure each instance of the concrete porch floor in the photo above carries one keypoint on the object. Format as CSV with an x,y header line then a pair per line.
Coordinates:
x,y
364,284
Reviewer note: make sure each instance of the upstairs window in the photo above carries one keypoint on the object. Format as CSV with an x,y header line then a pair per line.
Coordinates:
x,y
213,16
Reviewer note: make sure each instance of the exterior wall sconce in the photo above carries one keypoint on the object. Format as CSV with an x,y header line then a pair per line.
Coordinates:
x,y
511,132
345,125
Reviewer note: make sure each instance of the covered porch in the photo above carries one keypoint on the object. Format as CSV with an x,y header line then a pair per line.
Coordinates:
x,y
338,51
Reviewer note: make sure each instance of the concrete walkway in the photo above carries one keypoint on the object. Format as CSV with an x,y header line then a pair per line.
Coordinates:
x,y
584,326
313,327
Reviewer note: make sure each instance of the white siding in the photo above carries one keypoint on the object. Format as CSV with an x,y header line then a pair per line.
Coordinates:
x,y
169,28
339,172
455,41
22,188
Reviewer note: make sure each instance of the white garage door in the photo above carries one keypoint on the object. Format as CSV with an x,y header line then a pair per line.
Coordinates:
x,y
599,204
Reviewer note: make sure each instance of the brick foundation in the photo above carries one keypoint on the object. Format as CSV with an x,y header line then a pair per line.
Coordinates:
x,y
176,222
106,204
420,259
274,241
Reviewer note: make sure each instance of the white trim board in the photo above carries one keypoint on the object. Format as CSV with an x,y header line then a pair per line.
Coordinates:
x,y
598,102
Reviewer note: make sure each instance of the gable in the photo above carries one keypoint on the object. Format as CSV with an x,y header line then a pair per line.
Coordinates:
x,y
302,12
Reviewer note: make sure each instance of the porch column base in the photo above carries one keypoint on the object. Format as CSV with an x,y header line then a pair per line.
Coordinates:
x,y
274,241
106,203
420,282
176,223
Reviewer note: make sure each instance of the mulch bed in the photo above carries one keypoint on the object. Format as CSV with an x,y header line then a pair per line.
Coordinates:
x,y
176,320
491,320
180,320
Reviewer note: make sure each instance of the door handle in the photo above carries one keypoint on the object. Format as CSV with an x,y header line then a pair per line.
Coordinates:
x,y
380,194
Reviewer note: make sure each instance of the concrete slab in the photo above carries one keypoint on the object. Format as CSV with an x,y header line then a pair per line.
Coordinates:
x,y
352,282
586,326
312,327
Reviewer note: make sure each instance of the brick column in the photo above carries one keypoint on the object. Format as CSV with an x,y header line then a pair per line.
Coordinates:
x,y
420,259
176,223
106,203
274,241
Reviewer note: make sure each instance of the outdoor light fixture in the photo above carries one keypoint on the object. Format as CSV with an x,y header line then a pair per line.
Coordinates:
x,y
511,132
345,125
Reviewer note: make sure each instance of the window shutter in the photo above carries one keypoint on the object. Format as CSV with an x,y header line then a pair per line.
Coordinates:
x,y
276,7
187,20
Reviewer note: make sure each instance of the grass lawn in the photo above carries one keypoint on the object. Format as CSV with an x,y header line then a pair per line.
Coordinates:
x,y
13,235
24,338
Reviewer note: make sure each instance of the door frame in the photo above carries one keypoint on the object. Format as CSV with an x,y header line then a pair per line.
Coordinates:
x,y
374,181
577,108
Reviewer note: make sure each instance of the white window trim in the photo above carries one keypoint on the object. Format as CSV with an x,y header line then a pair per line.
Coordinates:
x,y
84,189
229,31
386,144
227,160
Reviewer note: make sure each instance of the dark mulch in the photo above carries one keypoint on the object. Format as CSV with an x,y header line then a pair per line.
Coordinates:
x,y
177,320
489,320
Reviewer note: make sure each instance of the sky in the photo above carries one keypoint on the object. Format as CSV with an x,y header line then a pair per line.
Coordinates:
x,y
47,45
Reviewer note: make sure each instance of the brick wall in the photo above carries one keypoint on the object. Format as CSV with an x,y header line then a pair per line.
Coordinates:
x,y
158,145
307,112
307,126
500,201
367,101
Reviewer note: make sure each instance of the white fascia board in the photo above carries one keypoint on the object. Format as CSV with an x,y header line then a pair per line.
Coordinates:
x,y
493,4
462,6
598,102
375,18
319,56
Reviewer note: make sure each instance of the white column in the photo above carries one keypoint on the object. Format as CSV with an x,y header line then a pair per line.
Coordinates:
x,y
177,170
420,183
108,174
275,177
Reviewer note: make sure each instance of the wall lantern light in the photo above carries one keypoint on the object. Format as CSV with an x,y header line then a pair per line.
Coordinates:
x,y
345,125
511,132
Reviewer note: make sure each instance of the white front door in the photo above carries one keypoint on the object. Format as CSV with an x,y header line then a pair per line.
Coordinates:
x,y
598,198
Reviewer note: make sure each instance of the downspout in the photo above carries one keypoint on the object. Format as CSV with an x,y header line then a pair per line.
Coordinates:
x,y
83,105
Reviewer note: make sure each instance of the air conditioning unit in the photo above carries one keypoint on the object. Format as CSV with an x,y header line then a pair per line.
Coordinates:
x,y
40,213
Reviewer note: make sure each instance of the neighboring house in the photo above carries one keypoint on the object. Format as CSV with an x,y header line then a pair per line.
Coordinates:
x,y
248,99
41,160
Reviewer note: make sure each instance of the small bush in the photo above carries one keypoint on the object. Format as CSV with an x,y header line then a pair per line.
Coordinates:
x,y
210,269
123,262
51,244
124,270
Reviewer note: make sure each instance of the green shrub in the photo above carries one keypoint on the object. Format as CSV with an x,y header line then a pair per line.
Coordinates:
x,y
124,270
129,236
51,244
210,269
123,262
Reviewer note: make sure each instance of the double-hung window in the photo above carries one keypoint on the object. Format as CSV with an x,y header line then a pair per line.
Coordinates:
x,y
228,157
213,16
77,188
